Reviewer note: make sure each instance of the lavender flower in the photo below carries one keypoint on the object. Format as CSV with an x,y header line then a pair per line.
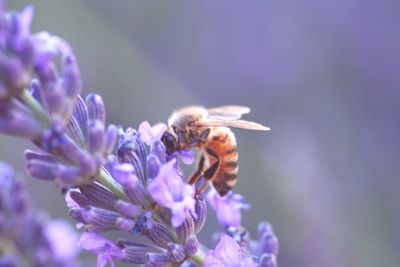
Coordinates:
x,y
266,247
103,248
114,180
227,253
236,249
150,134
163,208
42,103
57,230
21,52
27,237
227,207
187,156
168,190
261,252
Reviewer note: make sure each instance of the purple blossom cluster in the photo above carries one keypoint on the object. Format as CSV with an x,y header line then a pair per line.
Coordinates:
x,y
235,247
154,203
114,179
29,238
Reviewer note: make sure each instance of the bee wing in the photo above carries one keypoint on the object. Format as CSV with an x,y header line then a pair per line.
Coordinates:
x,y
242,124
232,112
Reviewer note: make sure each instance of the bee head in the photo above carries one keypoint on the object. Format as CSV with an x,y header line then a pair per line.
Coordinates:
x,y
169,142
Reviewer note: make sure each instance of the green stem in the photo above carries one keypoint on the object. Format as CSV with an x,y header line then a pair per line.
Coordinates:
x,y
111,184
198,258
42,115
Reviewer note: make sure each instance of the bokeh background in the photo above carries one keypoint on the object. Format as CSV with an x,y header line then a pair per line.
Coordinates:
x,y
324,75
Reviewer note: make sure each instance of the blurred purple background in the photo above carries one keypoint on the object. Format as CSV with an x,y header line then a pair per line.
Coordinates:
x,y
325,76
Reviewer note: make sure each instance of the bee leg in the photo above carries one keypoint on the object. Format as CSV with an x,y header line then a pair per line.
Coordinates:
x,y
203,137
200,189
204,134
199,172
211,171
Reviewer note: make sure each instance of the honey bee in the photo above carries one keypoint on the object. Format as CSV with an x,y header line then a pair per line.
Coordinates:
x,y
208,130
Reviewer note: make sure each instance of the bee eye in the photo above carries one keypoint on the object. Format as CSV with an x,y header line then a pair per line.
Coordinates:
x,y
169,142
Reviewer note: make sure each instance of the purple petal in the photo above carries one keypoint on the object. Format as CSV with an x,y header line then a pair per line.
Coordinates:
x,y
160,194
178,214
66,250
102,247
25,20
158,130
226,253
132,186
168,189
212,260
267,260
267,241
159,189
95,136
145,133
41,170
125,224
100,219
103,259
92,241
153,166
47,46
123,173
96,108
128,209
227,207
191,246
111,138
188,156
71,203
150,134
71,77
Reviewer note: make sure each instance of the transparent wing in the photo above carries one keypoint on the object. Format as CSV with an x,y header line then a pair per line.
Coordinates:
x,y
242,124
232,112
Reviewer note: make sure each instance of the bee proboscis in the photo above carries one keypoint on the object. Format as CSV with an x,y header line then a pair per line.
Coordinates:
x,y
209,131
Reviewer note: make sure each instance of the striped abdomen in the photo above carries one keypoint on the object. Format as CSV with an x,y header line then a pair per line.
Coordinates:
x,y
223,143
